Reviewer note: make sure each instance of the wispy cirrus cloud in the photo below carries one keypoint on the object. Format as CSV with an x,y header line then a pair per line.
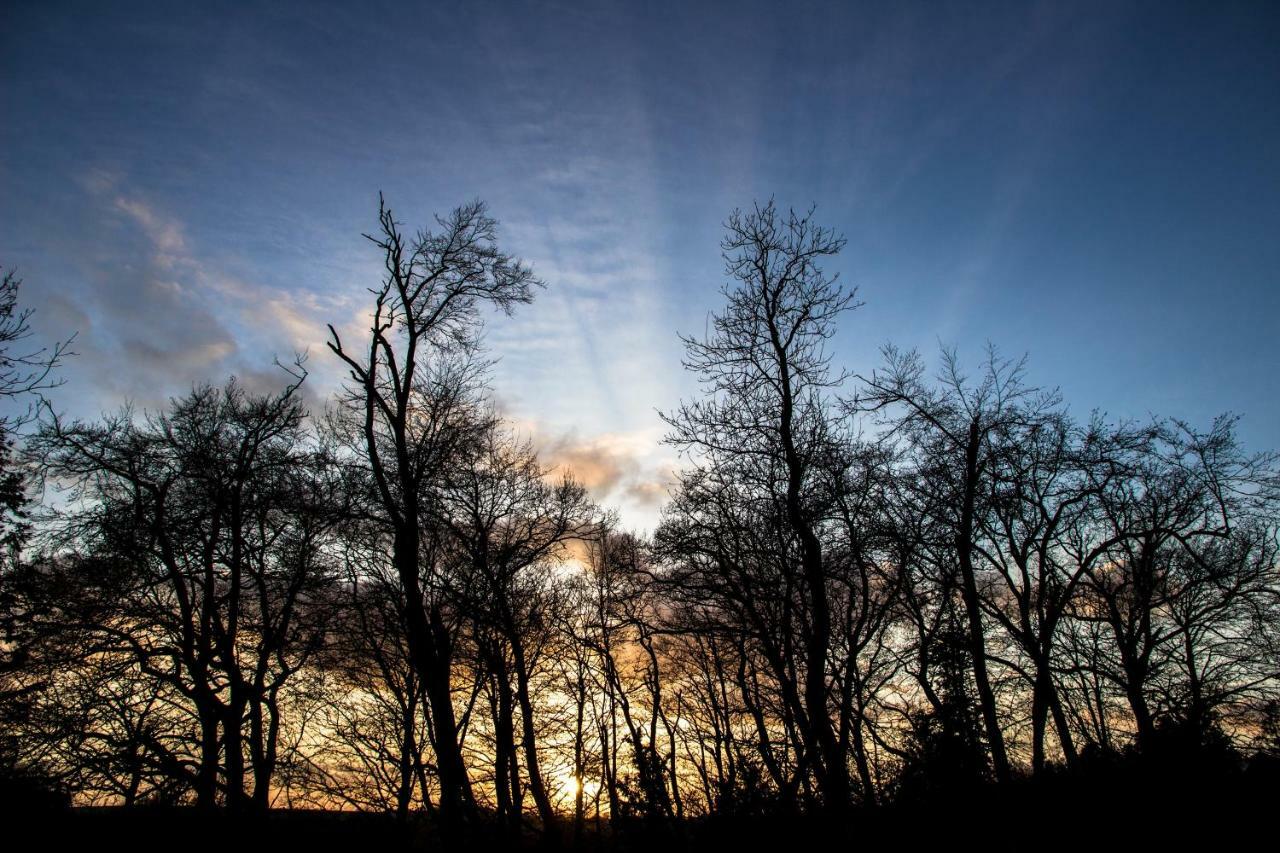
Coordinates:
x,y
162,313
156,314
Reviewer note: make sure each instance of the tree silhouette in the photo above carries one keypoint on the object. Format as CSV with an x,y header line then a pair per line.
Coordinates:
x,y
874,604
765,371
410,398
197,539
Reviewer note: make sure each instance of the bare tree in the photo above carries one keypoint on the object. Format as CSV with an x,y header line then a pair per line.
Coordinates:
x,y
25,373
766,370
410,387
204,528
510,526
1183,573
952,432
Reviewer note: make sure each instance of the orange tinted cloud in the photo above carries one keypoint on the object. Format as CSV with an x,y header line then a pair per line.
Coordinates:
x,y
611,466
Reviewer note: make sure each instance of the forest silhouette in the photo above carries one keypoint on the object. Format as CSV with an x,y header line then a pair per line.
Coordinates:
x,y
919,603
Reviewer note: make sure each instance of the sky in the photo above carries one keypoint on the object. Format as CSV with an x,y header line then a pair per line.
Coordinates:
x,y
1096,185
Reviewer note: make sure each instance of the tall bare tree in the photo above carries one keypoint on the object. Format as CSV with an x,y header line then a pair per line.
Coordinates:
x,y
766,373
410,395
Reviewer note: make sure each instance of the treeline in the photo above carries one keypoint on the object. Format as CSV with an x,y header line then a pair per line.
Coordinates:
x,y
865,589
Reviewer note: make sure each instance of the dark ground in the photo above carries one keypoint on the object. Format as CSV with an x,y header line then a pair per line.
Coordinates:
x,y
1116,808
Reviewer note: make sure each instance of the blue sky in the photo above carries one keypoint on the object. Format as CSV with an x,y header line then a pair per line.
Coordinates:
x,y
1097,185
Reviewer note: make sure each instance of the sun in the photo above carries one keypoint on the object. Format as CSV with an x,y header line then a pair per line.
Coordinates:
x,y
571,786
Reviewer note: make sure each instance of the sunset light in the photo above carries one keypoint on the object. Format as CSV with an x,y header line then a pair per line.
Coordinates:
x,y
606,426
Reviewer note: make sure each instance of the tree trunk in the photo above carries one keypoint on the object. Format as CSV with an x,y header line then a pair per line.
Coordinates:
x,y
537,787
973,608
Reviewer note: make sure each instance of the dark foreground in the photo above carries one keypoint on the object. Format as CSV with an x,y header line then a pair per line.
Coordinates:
x,y
1128,810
